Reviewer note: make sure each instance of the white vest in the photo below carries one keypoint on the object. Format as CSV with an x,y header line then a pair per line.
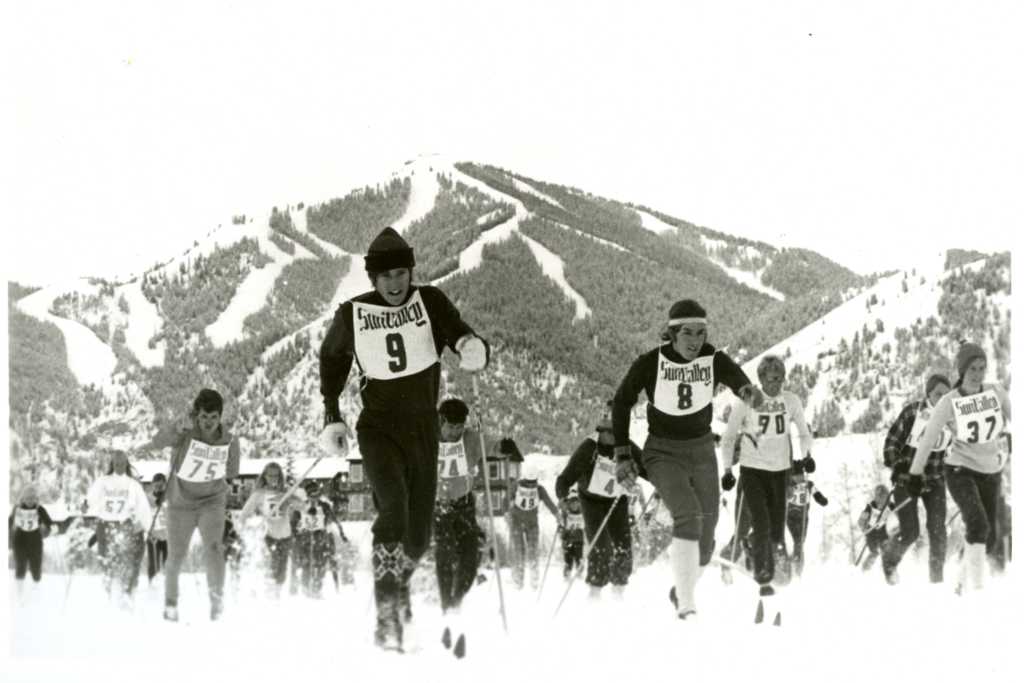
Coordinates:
x,y
684,388
393,341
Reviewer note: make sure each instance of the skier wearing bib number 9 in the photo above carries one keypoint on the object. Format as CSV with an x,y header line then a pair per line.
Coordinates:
x,y
396,334
679,378
204,459
765,457
977,412
592,468
523,521
901,444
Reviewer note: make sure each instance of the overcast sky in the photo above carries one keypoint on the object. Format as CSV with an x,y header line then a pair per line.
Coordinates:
x,y
871,134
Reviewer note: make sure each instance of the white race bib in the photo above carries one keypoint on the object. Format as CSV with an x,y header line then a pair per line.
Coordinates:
x,y
574,521
527,497
313,521
161,519
451,461
26,520
917,431
684,388
979,417
271,506
204,462
603,482
393,341
798,494
114,498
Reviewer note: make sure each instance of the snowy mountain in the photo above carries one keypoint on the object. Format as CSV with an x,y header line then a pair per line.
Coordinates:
x,y
567,286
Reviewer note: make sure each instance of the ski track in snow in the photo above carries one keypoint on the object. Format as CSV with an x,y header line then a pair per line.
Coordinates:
x,y
553,266
251,294
526,187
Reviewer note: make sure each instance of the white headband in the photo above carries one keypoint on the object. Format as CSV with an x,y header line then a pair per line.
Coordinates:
x,y
683,321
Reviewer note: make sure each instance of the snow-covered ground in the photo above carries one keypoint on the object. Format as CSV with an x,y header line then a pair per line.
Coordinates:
x,y
654,224
144,322
553,266
838,625
752,280
525,187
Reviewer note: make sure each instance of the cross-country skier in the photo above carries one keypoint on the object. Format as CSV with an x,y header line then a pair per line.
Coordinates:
x,y
523,522
315,546
396,333
204,459
27,526
799,491
976,411
268,500
679,378
592,469
119,503
765,461
872,522
901,444
572,533
156,542
456,532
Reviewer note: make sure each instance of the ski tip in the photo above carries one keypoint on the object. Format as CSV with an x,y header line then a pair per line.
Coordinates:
x,y
446,638
460,647
759,615
672,597
778,619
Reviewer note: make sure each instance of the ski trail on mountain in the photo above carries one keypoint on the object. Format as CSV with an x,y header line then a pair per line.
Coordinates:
x,y
144,322
90,360
554,268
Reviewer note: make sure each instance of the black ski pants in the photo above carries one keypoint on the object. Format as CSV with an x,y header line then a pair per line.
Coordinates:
x,y
765,493
456,549
977,495
611,555
934,498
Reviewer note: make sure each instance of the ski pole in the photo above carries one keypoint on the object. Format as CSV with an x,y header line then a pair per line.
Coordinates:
x,y
490,511
547,565
298,483
586,554
736,530
955,515
878,523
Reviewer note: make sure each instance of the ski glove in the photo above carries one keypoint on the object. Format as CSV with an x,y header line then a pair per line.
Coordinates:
x,y
334,439
728,481
809,465
900,469
820,499
626,470
473,353
751,395
914,485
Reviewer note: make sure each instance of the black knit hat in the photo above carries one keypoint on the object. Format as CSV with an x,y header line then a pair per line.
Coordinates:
x,y
967,352
388,251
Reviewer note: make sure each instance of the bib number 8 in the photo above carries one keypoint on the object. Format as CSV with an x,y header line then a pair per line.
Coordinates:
x,y
396,349
685,396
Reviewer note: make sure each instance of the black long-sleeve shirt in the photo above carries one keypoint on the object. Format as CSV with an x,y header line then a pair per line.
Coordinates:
x,y
27,522
643,376
416,393
580,467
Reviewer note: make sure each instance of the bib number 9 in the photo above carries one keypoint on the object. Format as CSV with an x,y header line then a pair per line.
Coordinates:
x,y
396,349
